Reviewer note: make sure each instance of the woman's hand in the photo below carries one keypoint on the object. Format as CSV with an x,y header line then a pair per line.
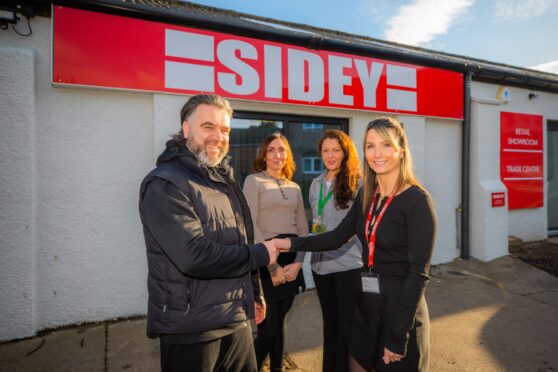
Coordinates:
x,y
390,357
291,271
277,276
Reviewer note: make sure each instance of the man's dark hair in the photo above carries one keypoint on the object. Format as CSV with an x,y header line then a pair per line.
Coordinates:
x,y
193,103
204,99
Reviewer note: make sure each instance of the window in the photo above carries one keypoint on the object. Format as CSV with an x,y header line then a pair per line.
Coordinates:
x,y
245,138
312,165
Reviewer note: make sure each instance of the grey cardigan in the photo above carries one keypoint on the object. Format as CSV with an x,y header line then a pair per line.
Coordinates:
x,y
346,257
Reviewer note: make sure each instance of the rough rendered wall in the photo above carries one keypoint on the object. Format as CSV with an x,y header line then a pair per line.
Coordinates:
x,y
442,170
17,193
73,159
488,237
92,159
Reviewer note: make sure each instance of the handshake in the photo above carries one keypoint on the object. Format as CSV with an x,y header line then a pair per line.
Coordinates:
x,y
276,246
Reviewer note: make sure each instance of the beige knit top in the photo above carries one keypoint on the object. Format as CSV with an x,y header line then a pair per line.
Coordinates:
x,y
275,209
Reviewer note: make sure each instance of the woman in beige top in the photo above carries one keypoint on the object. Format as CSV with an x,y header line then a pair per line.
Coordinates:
x,y
277,210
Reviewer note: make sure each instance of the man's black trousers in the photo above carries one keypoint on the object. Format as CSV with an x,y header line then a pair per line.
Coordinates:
x,y
232,353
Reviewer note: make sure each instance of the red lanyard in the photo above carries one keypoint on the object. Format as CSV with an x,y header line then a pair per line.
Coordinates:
x,y
371,237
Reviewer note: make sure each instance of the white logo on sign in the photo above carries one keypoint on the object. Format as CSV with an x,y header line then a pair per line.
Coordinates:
x,y
305,74
398,99
189,76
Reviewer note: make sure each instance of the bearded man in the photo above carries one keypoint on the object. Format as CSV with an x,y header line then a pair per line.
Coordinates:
x,y
202,263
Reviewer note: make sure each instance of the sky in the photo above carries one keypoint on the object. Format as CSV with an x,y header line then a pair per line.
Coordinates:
x,y
520,33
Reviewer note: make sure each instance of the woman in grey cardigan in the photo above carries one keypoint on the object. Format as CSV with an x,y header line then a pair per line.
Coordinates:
x,y
337,272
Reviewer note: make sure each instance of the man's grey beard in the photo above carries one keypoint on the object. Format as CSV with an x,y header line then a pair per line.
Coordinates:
x,y
199,152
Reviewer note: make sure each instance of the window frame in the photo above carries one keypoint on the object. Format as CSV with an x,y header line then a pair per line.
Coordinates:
x,y
312,160
292,118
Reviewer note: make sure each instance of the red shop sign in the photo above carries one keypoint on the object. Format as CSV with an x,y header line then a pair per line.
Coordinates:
x,y
101,50
521,159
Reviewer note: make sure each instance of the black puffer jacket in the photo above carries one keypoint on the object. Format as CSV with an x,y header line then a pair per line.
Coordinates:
x,y
197,230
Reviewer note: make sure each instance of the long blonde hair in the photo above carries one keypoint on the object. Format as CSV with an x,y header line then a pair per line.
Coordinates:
x,y
391,130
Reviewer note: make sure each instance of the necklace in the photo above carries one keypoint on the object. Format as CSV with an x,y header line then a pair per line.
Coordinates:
x,y
279,181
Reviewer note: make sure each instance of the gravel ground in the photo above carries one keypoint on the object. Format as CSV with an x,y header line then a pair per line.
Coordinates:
x,y
542,254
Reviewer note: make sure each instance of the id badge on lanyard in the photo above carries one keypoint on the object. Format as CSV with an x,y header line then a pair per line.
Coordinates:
x,y
318,225
370,280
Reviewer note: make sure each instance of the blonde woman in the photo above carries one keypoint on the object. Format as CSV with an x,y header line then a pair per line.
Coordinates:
x,y
394,219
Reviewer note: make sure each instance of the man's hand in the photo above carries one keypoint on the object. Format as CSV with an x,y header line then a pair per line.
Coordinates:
x,y
277,276
272,251
260,310
291,271
283,245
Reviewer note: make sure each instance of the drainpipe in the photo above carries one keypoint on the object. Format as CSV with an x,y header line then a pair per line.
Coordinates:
x,y
466,142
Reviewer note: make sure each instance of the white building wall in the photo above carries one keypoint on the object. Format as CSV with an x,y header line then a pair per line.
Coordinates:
x,y
442,169
17,193
532,224
73,159
527,224
488,233
93,149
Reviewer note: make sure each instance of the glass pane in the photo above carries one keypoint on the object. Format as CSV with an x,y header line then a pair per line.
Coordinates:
x,y
306,165
318,165
245,138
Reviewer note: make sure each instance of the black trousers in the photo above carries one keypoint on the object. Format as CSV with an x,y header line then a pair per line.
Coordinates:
x,y
338,293
272,333
232,353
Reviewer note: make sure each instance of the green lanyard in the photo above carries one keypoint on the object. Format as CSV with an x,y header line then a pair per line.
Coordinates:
x,y
322,202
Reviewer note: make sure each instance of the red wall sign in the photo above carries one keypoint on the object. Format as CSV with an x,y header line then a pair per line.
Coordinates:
x,y
498,199
521,159
101,50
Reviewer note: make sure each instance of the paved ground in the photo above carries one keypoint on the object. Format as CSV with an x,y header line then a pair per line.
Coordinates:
x,y
497,316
